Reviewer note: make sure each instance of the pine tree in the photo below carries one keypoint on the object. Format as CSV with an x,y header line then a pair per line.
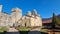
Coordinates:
x,y
55,20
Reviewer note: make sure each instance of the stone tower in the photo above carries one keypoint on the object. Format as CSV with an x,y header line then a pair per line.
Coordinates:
x,y
0,8
28,13
34,12
16,15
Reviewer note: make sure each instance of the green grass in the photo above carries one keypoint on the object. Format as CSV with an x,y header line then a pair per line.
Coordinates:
x,y
2,29
43,30
23,29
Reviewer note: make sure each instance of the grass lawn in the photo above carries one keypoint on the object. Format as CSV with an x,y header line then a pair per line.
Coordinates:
x,y
43,30
23,28
2,29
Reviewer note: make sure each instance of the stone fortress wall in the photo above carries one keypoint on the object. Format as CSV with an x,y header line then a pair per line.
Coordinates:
x,y
16,18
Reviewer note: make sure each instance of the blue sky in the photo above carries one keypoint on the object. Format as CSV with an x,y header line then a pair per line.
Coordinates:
x,y
44,7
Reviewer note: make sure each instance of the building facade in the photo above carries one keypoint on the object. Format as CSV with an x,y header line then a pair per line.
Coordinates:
x,y
16,18
31,19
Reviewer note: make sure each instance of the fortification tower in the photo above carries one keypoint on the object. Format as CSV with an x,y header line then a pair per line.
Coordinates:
x,y
0,8
16,14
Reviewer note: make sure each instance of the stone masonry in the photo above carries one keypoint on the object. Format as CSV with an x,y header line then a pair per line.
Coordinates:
x,y
16,18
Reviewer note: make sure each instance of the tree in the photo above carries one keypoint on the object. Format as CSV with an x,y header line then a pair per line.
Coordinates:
x,y
55,20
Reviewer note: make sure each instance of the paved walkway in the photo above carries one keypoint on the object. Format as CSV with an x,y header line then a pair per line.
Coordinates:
x,y
35,31
32,31
12,30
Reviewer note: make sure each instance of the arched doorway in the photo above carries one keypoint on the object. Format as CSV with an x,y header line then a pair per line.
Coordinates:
x,y
25,24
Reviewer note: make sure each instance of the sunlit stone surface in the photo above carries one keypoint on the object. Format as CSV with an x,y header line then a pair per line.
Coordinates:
x,y
16,18
33,19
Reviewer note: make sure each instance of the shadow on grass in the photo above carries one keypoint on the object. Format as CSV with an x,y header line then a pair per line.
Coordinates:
x,y
3,32
24,32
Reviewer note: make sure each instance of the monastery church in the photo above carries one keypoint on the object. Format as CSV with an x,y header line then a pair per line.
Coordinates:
x,y
16,18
